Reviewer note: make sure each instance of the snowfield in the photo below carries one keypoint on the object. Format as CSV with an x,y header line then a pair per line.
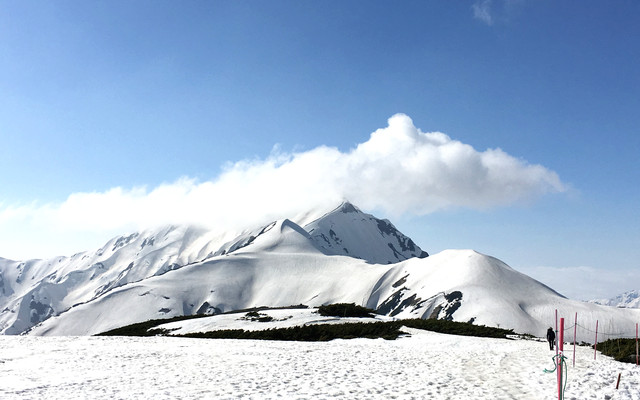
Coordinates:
x,y
340,256
424,365
337,256
281,318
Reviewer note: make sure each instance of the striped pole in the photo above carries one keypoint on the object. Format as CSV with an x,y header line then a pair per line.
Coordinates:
x,y
595,346
559,359
575,327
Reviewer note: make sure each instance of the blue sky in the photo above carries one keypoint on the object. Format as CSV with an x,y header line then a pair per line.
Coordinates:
x,y
110,104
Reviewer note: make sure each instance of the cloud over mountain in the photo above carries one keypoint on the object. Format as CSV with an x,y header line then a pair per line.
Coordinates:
x,y
399,170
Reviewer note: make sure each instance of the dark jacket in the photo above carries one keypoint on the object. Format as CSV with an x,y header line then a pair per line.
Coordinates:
x,y
551,336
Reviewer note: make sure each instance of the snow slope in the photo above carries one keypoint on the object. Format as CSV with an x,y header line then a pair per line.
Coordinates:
x,y
184,271
460,285
424,366
280,318
467,286
33,291
350,232
280,268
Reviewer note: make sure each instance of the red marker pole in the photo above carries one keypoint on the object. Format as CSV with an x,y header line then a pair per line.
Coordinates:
x,y
636,344
595,346
559,359
575,327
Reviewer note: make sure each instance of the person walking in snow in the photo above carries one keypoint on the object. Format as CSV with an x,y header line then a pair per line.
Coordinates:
x,y
551,337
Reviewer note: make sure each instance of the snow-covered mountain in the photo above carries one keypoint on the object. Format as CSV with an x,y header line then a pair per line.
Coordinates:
x,y
312,261
346,231
630,299
350,232
33,291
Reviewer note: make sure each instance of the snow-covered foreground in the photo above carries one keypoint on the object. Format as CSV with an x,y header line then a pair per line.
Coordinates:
x,y
424,366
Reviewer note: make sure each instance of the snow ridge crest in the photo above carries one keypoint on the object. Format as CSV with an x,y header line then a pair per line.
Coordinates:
x,y
33,291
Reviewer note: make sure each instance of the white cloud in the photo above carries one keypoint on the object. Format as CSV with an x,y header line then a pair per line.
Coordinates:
x,y
482,11
492,11
399,170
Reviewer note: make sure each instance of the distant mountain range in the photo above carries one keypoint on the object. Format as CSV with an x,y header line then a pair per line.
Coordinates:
x,y
33,291
341,255
630,299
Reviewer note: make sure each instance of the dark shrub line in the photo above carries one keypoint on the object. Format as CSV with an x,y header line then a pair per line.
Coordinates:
x,y
345,310
623,350
309,333
322,332
142,328
386,330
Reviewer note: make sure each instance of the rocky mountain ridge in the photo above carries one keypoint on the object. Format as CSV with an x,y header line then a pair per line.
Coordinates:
x,y
33,291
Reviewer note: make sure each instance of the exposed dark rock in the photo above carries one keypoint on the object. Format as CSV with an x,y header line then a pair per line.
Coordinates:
x,y
391,302
334,236
39,311
322,235
454,300
208,309
244,242
395,304
167,268
256,316
436,312
348,208
453,296
123,241
147,242
401,281
405,243
395,252
411,301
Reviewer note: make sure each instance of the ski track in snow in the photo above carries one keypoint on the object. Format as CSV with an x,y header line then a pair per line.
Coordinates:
x,y
424,366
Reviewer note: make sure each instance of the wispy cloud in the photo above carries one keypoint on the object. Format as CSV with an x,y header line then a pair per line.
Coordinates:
x,y
398,170
492,11
482,11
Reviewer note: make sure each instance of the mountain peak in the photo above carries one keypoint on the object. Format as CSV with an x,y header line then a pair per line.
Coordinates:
x,y
347,207
629,299
33,291
348,231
